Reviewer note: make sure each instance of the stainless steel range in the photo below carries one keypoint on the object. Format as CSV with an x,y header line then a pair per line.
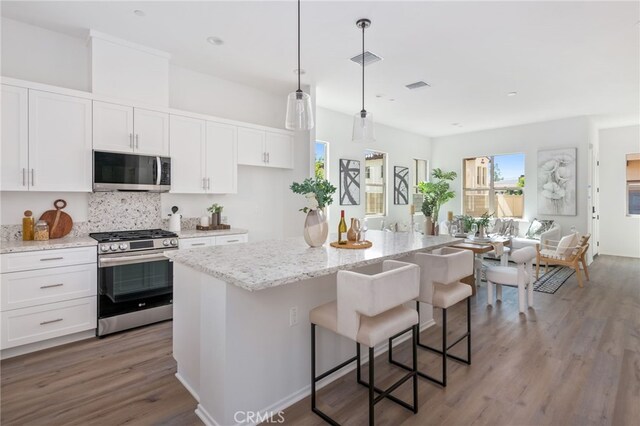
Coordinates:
x,y
135,279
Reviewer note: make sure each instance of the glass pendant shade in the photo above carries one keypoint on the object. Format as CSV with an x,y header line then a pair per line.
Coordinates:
x,y
363,127
299,112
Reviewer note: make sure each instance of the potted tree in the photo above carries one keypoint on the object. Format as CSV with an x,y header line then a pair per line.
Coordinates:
x,y
437,193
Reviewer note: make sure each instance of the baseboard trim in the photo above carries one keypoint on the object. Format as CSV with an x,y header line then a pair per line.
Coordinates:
x,y
46,344
188,387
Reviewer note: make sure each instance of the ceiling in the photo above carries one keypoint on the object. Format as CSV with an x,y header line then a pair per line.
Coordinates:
x,y
563,59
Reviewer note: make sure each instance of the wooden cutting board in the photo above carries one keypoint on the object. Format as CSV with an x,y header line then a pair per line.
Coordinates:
x,y
60,223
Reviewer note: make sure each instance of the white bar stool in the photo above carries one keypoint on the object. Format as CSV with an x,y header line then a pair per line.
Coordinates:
x,y
521,276
369,309
440,286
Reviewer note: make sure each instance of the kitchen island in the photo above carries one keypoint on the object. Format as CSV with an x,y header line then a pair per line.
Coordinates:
x,y
240,324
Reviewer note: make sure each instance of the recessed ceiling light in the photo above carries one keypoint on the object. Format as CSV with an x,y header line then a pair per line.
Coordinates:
x,y
456,124
391,100
139,12
302,71
512,93
417,85
379,95
216,41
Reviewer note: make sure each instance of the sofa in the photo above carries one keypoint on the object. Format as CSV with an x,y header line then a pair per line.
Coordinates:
x,y
519,233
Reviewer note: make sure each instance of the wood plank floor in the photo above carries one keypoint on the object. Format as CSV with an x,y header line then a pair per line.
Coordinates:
x,y
573,360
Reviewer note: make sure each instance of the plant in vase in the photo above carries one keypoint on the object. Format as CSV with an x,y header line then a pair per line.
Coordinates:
x,y
483,224
319,194
216,211
427,211
437,193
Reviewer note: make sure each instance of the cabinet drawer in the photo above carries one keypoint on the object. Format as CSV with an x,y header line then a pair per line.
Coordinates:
x,y
231,239
29,325
188,243
14,262
31,288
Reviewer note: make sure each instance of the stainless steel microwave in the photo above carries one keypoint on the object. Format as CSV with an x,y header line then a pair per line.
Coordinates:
x,y
114,171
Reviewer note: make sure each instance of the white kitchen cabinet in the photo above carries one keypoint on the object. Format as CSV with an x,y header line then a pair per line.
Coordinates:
x,y
121,128
221,163
264,148
15,139
59,142
112,127
151,132
224,240
251,147
279,149
188,243
188,139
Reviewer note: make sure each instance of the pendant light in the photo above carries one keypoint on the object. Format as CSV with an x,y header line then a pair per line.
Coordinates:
x,y
363,121
299,112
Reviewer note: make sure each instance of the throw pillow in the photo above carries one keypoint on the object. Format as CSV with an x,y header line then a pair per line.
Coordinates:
x,y
537,228
567,244
508,228
498,227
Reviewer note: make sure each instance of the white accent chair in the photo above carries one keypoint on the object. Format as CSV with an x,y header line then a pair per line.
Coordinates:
x,y
521,277
440,286
369,309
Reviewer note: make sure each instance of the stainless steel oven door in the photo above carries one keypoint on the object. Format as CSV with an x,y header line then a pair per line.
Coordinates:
x,y
124,277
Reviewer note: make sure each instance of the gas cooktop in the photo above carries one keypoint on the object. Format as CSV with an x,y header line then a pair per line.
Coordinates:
x,y
142,234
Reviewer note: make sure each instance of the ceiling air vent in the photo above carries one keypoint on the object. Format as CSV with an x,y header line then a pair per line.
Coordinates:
x,y
417,85
369,58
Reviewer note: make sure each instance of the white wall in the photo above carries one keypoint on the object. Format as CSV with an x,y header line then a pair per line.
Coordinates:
x,y
619,233
448,152
36,54
401,148
264,204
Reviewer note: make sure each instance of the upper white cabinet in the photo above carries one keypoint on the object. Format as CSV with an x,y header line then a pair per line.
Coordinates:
x,y
203,156
46,141
221,158
264,148
15,142
188,139
59,142
122,128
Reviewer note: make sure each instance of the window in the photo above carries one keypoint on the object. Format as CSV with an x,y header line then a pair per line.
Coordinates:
x,y
422,172
494,184
321,170
375,188
633,184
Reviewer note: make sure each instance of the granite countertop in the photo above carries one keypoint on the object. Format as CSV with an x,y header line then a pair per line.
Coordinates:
x,y
59,243
271,263
194,233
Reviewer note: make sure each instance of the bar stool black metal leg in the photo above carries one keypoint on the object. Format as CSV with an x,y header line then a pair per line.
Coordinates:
x,y
313,367
416,330
444,347
371,388
469,330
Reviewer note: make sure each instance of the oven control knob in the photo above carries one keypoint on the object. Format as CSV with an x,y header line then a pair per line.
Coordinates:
x,y
114,247
165,242
174,242
123,246
104,247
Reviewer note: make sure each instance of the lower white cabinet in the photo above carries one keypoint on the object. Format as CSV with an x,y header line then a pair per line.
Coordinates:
x,y
46,294
197,242
30,325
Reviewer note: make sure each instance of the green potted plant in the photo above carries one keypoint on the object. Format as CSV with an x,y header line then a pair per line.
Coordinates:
x,y
483,224
437,193
319,194
216,211
427,211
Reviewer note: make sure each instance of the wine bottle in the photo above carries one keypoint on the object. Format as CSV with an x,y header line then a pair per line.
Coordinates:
x,y
342,229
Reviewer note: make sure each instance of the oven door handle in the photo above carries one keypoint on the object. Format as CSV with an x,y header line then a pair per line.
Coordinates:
x,y
130,260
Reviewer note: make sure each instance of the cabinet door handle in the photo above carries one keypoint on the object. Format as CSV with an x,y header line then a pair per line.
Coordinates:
x,y
51,321
268,158
232,241
208,183
204,183
33,177
197,244
137,141
24,177
51,285
51,258
131,140
264,157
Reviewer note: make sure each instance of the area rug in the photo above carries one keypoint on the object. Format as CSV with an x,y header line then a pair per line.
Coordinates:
x,y
547,283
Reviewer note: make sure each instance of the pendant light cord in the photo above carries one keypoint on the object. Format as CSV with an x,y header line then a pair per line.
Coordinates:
x,y
363,26
299,71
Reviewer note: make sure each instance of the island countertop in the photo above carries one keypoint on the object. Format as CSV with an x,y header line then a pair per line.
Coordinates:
x,y
271,263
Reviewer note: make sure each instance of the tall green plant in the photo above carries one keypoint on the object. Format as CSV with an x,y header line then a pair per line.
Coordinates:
x,y
437,193
320,189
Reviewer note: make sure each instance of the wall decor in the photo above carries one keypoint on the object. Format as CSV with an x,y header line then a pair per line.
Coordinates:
x,y
349,182
557,181
400,185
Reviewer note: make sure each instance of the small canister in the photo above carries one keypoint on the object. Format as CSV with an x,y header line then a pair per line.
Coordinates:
x,y
27,226
41,231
